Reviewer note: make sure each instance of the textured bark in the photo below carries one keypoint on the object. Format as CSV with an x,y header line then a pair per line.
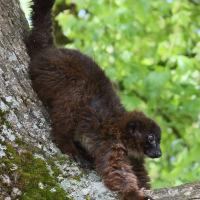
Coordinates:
x,y
25,127
181,192
25,132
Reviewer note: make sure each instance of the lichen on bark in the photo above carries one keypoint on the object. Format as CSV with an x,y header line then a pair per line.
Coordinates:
x,y
31,165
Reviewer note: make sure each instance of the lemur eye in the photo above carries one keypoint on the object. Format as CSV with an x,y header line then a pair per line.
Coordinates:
x,y
151,138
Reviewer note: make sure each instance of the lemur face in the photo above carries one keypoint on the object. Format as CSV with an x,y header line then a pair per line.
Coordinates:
x,y
145,136
153,145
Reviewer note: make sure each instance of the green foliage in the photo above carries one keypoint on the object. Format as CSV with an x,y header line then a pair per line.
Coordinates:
x,y
151,52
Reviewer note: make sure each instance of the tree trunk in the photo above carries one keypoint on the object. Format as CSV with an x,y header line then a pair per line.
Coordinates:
x,y
31,166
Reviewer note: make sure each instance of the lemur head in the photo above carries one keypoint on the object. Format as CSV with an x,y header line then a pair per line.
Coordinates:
x,y
144,134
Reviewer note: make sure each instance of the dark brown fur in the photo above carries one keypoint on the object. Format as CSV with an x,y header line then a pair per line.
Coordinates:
x,y
87,116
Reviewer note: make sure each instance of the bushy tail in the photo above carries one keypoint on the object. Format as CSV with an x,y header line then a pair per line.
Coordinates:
x,y
41,35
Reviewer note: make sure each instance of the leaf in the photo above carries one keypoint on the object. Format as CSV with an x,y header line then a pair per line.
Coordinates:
x,y
131,102
157,79
182,18
176,145
111,73
184,63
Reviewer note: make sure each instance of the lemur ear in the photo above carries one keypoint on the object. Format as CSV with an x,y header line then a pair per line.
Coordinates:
x,y
132,126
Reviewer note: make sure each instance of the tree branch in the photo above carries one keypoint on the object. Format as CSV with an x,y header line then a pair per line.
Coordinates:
x,y
182,192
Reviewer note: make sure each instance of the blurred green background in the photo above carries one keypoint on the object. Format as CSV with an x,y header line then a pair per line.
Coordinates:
x,y
150,49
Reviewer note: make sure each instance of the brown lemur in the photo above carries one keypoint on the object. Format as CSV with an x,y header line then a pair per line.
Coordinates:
x,y
86,112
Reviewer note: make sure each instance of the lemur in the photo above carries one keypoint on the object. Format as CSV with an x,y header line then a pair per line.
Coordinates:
x,y
88,120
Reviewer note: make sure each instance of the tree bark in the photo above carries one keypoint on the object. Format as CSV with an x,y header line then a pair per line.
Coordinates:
x,y
31,166
181,192
25,141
